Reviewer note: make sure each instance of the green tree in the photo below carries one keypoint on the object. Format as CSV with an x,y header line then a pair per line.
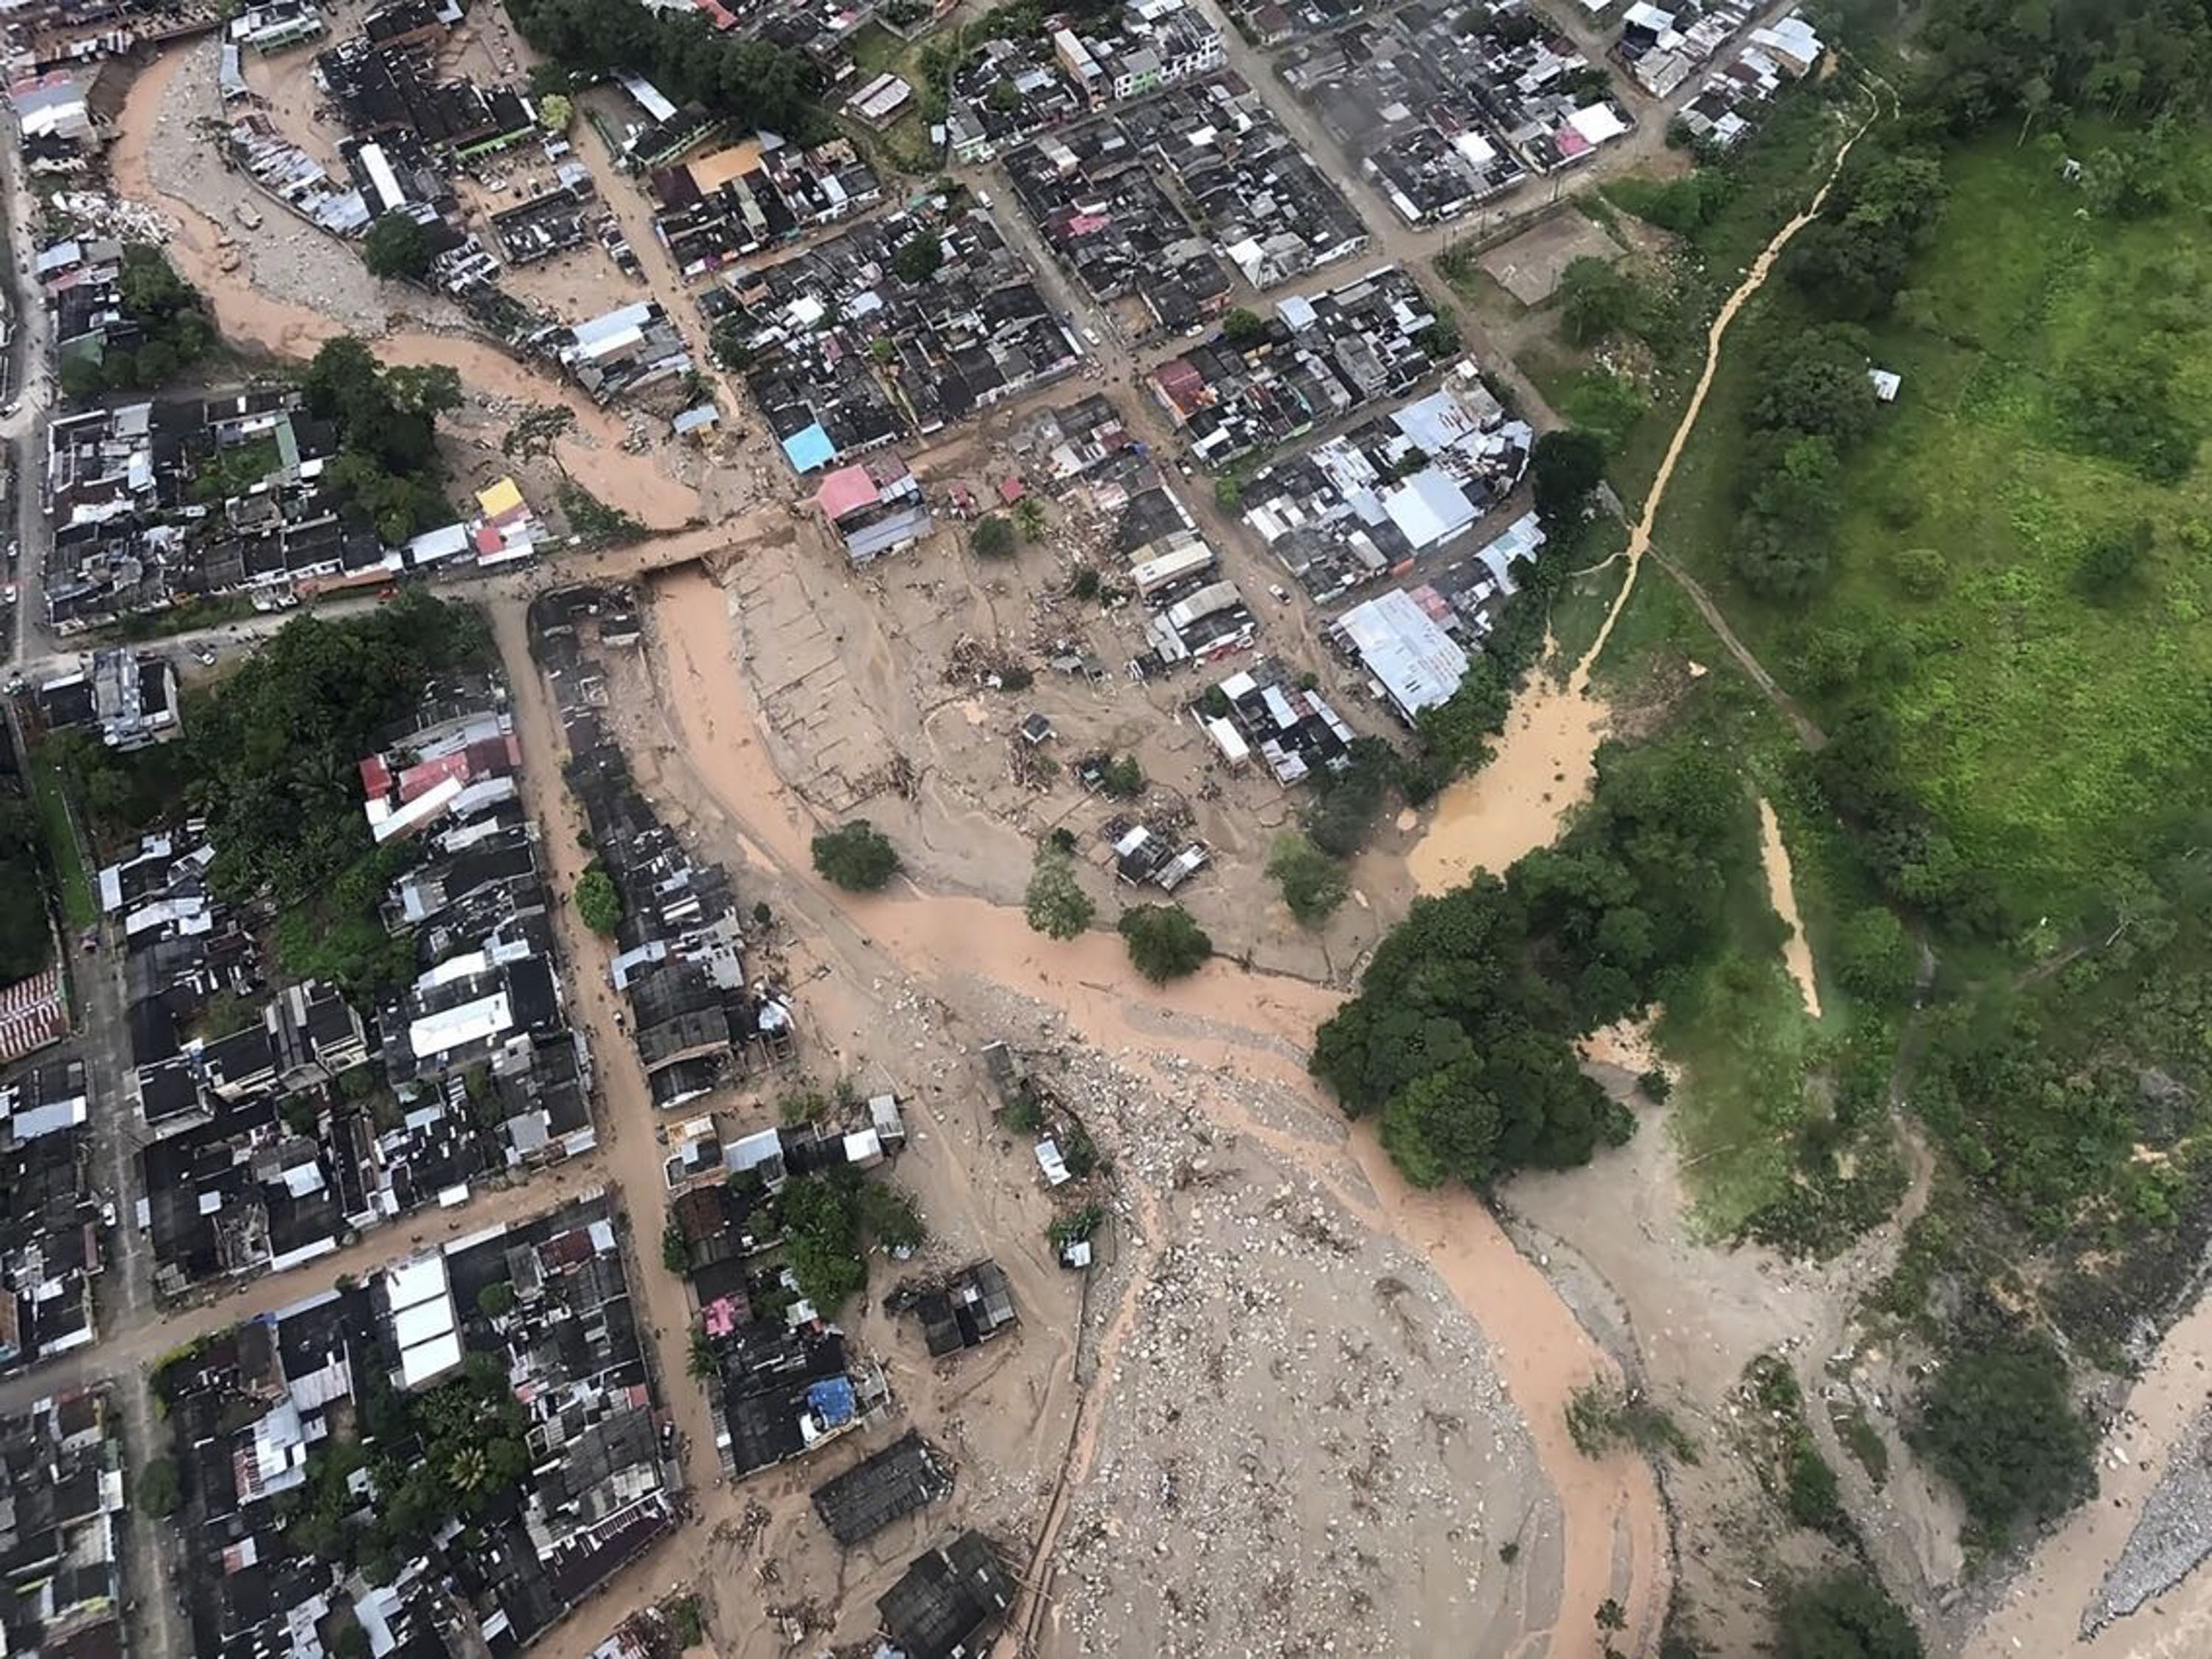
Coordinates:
x,y
598,901
917,259
855,856
1164,942
1242,328
160,1492
1228,495
1999,1422
1313,883
555,112
1029,518
1846,1615
397,246
1596,301
1567,466
1056,904
495,1300
1443,1126
1873,956
675,1249
2113,558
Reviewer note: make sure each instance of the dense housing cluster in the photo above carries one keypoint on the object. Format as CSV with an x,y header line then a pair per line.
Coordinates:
x,y
1445,106
1413,643
756,194
51,1241
1010,88
696,1021
900,327
156,503
1316,360
454,1454
1390,489
61,1527
283,1122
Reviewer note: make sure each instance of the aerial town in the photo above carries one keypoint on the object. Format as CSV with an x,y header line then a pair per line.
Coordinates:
x,y
927,828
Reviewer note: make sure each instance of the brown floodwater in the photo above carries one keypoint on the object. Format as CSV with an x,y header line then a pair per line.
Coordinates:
x,y
260,322
1259,1026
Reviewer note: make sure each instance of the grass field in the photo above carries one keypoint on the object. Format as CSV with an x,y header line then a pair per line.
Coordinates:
x,y
47,793
2044,728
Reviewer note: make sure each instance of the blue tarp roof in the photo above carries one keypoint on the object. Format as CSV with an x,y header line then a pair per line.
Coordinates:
x,y
809,449
831,1400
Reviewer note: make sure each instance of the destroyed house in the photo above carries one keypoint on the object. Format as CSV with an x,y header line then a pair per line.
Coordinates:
x,y
781,1393
966,1311
755,195
907,1475
947,1600
384,92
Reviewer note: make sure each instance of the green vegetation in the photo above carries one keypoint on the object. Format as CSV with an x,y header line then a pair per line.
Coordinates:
x,y
1846,1615
397,246
1241,328
1790,1463
992,537
1999,1422
856,856
591,521
750,84
1312,883
174,330
160,1492
26,937
599,901
675,1249
496,1301
1603,1420
1122,777
1462,1035
387,470
829,1220
917,259
57,832
1055,903
1163,942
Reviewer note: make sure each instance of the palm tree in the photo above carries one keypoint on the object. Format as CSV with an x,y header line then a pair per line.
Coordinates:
x,y
1028,519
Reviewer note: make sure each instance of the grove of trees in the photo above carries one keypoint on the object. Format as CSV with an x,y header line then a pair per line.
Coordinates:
x,y
387,468
1462,1035
748,81
174,331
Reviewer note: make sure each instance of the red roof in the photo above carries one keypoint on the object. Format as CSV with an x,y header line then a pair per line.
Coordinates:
x,y
375,778
1010,489
487,757
845,491
1180,384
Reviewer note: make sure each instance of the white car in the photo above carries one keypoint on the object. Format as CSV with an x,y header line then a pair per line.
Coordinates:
x,y
107,1214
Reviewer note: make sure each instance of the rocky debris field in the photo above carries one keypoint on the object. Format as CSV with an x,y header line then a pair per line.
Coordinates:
x,y
2171,1537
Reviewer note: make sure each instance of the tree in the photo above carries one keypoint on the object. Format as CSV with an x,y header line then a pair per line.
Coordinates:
x,y
1122,777
1164,942
732,344
1999,1422
1846,1615
1443,1126
917,259
495,1300
1242,328
1873,957
598,901
1567,466
855,856
1611,1615
992,537
1029,518
397,246
536,430
2113,557
1313,883
1228,495
675,1249
1595,301
1056,904
555,112
159,1490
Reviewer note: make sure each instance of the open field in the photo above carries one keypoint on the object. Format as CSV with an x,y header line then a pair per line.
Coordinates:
x,y
2043,725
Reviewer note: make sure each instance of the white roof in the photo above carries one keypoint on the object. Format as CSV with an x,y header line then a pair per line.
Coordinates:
x,y
1599,122
1419,664
1429,508
1229,740
456,1028
410,1327
433,1360
1478,150
418,1279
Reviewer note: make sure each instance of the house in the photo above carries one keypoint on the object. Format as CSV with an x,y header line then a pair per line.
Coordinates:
x,y
946,1601
905,1476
